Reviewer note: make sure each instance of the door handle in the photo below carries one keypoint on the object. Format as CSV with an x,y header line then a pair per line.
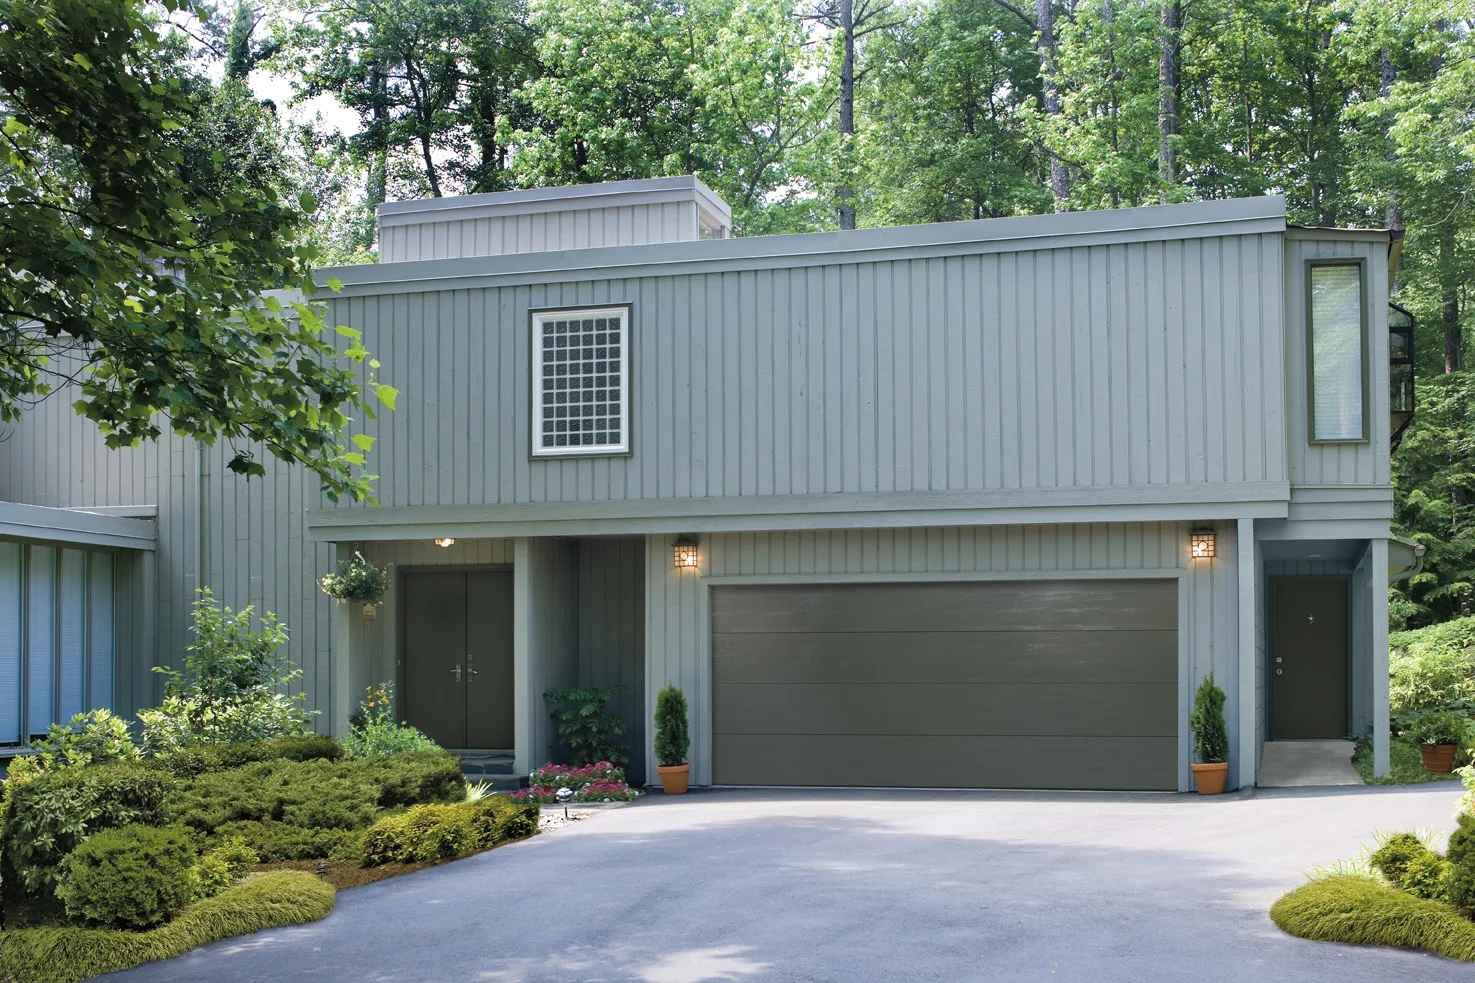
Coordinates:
x,y
457,672
470,672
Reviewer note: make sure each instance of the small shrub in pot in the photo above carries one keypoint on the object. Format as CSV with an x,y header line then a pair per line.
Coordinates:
x,y
1210,737
672,740
1438,735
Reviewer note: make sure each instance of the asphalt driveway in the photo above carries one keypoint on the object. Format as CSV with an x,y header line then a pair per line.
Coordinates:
x,y
791,886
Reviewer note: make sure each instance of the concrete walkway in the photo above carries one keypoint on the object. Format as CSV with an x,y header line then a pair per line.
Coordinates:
x,y
793,886
1298,764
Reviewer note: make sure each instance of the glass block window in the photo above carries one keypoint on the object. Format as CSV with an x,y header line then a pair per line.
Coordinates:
x,y
581,398
1338,353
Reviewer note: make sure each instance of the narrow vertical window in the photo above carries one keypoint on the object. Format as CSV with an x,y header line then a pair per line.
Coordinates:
x,y
11,648
41,639
100,630
73,631
1338,353
581,382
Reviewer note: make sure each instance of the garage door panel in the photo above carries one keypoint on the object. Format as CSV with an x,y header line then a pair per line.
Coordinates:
x,y
1120,763
961,606
947,657
1038,684
1067,710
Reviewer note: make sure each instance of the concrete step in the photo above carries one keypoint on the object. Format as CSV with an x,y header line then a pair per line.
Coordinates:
x,y
499,783
487,765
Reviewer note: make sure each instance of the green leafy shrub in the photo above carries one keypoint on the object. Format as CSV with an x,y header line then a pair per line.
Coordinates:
x,y
314,794
441,832
133,876
1393,857
424,833
356,580
414,778
1359,911
377,739
1210,735
94,737
192,761
69,955
586,726
1428,876
51,814
1461,857
271,840
673,738
221,867
229,689
1439,727
1431,668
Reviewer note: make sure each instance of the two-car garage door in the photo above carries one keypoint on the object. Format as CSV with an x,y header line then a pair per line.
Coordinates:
x,y
1017,684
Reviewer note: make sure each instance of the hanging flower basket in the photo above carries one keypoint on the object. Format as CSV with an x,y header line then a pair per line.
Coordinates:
x,y
357,580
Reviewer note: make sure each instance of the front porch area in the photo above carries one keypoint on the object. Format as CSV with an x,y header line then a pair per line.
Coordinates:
x,y
474,632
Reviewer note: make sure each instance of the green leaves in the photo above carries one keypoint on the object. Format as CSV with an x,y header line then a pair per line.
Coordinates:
x,y
146,227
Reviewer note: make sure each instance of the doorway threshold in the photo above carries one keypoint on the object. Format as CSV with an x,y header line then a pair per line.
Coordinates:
x,y
1301,764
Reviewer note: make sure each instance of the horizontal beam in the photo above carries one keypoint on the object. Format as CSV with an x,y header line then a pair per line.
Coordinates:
x,y
1150,503
84,528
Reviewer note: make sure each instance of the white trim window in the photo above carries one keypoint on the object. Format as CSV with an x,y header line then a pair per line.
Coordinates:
x,y
581,382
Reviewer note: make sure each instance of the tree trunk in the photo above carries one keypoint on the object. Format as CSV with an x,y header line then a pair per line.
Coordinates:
x,y
847,111
1393,217
377,186
1167,95
1045,28
1449,301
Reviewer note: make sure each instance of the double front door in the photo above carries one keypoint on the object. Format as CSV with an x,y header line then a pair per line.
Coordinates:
x,y
457,649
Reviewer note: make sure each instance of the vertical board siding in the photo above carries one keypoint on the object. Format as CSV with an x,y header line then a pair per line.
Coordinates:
x,y
611,628
1090,367
553,656
678,630
584,228
1351,462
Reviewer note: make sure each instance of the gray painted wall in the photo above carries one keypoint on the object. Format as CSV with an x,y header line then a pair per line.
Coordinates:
x,y
678,632
1366,461
611,631
1120,366
629,225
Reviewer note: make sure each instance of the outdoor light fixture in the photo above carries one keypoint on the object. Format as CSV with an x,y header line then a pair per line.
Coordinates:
x,y
1201,544
684,553
445,541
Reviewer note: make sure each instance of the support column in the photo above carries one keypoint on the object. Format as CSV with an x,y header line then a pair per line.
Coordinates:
x,y
1246,750
522,646
340,696
1379,604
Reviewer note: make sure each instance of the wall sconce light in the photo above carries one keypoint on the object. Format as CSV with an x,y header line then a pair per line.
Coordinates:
x,y
684,553
445,541
1201,544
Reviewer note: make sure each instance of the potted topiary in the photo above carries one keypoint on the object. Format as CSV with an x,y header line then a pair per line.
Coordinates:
x,y
672,741
359,581
1438,735
1210,738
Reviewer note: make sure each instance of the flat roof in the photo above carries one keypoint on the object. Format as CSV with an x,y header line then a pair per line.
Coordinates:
x,y
608,194
1235,216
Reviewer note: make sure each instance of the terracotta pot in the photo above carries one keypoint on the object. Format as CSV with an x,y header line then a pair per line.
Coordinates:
x,y
673,778
1439,759
1209,779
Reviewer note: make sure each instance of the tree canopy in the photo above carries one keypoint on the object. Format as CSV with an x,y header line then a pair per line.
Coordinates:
x,y
143,232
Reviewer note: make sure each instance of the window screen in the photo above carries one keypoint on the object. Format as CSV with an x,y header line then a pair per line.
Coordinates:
x,y
1336,353
41,639
581,382
12,646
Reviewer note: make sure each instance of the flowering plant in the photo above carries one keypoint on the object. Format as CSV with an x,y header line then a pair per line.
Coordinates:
x,y
567,776
356,580
596,791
